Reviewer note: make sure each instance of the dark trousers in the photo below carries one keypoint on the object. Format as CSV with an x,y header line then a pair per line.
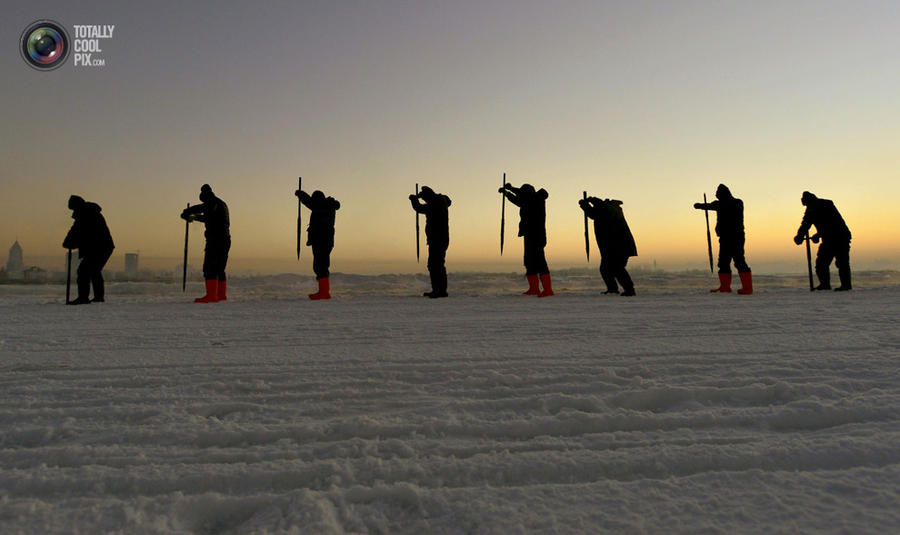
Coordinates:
x,y
839,251
90,272
535,261
322,259
437,255
215,257
612,267
732,249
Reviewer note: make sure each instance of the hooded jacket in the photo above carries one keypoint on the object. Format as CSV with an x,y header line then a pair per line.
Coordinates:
x,y
437,219
610,228
320,231
532,211
89,233
825,216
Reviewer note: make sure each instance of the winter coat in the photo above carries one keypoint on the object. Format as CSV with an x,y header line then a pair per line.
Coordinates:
x,y
610,228
729,218
89,233
213,212
828,221
532,213
437,224
320,231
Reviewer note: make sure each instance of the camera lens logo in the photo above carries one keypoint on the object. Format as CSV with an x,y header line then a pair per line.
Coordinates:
x,y
45,45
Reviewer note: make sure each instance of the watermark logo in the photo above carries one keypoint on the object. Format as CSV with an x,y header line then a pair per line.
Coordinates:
x,y
87,47
45,44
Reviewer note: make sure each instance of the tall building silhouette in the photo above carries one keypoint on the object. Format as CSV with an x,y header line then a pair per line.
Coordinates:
x,y
131,264
15,264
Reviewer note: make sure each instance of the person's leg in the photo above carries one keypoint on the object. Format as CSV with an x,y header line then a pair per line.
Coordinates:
x,y
83,277
842,261
725,255
544,271
531,267
608,274
740,263
212,270
824,256
625,278
321,265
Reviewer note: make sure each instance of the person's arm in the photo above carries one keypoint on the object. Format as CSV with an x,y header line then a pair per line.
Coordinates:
x,y
714,206
71,241
587,205
511,193
804,227
416,205
194,213
305,198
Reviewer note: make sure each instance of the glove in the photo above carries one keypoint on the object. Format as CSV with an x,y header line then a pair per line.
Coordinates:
x,y
798,239
185,215
698,205
297,193
501,190
815,238
582,203
413,197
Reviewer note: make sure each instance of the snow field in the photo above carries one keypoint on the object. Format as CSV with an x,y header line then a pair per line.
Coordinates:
x,y
689,412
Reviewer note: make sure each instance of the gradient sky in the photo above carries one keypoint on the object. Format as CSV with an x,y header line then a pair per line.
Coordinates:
x,y
653,103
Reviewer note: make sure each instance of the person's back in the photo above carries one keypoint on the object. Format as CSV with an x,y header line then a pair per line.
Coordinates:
x,y
828,221
533,213
730,217
322,217
216,221
611,230
437,219
90,234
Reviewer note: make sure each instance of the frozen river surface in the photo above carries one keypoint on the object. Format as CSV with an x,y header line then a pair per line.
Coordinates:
x,y
669,412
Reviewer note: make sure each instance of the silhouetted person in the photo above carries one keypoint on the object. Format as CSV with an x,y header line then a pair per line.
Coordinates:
x,y
320,236
213,212
533,228
437,236
90,235
835,235
730,230
614,240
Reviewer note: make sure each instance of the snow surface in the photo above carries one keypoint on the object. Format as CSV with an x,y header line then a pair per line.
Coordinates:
x,y
488,412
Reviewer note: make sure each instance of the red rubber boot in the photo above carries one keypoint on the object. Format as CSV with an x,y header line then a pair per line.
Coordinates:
x,y
548,288
324,290
212,291
533,288
746,283
220,295
724,283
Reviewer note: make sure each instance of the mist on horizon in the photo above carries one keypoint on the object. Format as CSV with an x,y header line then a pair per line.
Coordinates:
x,y
651,103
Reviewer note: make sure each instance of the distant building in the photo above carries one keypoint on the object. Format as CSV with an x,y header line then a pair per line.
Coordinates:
x,y
15,265
131,264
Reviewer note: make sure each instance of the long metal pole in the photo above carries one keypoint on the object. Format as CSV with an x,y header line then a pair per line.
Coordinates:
x,y
503,214
299,220
417,226
708,236
187,223
587,243
68,275
812,287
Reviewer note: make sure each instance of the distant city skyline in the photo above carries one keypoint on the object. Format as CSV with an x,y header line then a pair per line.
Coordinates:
x,y
653,103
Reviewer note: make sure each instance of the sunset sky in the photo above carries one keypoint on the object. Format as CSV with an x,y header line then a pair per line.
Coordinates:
x,y
653,103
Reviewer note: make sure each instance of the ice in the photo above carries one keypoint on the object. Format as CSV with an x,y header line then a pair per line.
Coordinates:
x,y
489,412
